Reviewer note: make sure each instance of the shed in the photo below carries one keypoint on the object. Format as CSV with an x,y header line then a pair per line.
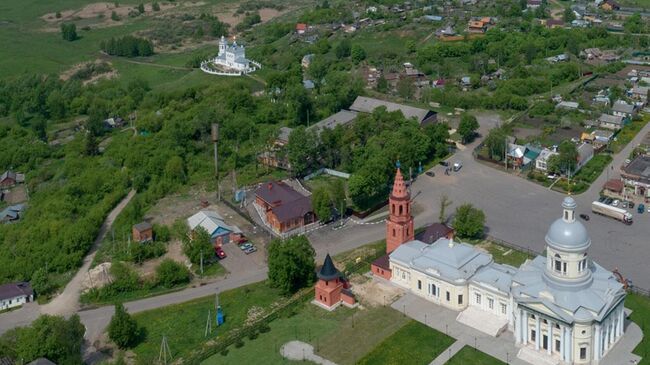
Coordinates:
x,y
142,232
615,186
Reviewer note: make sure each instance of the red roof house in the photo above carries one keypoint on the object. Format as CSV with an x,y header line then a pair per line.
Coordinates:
x,y
301,28
284,208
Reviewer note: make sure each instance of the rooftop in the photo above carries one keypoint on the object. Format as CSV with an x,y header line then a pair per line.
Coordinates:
x,y
623,107
328,271
640,166
433,232
211,221
13,290
365,104
142,226
343,117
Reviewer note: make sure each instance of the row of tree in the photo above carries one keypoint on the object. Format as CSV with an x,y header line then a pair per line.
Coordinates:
x,y
128,46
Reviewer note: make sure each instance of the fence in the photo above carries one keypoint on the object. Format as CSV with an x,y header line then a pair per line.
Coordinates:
x,y
251,329
343,175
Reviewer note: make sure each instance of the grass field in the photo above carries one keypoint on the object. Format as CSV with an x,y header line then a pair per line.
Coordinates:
x,y
469,355
184,324
504,255
416,342
324,330
640,306
628,133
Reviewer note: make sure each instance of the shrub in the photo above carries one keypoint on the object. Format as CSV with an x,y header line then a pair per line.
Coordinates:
x,y
171,273
123,329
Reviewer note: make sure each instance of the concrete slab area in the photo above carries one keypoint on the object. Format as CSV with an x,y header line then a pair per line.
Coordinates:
x,y
298,350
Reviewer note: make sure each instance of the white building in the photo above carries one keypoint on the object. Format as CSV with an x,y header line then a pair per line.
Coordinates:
x,y
15,294
562,308
541,162
231,60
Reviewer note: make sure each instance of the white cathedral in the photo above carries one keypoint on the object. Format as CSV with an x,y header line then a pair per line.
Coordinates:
x,y
231,60
564,308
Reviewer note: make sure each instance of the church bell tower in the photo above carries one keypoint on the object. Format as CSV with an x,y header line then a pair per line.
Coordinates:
x,y
399,226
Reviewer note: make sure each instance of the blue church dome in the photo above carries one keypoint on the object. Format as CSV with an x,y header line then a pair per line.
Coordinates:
x,y
566,233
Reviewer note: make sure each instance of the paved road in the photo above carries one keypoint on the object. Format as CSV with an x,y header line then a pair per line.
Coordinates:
x,y
518,211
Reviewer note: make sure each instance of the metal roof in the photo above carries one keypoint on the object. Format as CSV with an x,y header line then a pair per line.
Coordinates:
x,y
210,221
622,107
365,104
568,235
343,117
328,271
14,290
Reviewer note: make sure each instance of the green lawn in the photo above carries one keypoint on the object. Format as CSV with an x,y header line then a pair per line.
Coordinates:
x,y
416,342
590,172
505,255
324,330
184,324
626,134
640,306
469,355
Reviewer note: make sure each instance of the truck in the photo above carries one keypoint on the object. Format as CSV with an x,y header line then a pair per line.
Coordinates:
x,y
612,212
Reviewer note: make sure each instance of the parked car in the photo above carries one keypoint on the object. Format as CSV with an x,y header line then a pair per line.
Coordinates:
x,y
584,216
242,240
630,205
615,203
458,165
602,199
220,253
551,176
245,246
250,250
430,173
608,201
624,204
640,209
444,163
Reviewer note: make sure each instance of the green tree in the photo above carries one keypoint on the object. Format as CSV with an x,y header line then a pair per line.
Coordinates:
x,y
41,282
495,143
52,337
634,23
141,8
302,150
199,244
155,6
469,222
321,203
369,185
467,127
123,329
91,147
358,53
405,88
411,46
58,15
291,264
114,16
175,169
337,195
343,49
567,158
382,84
56,105
569,15
171,273
69,31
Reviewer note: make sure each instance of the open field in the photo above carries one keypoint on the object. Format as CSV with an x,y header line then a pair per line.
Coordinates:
x,y
184,324
326,331
469,355
415,341
640,306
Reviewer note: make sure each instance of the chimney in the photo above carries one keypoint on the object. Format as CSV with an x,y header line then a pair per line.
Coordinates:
x,y
270,185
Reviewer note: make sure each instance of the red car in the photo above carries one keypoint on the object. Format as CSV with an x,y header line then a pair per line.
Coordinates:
x,y
220,253
242,240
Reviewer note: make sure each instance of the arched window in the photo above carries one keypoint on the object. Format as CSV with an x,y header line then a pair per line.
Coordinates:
x,y
566,215
400,209
393,208
394,233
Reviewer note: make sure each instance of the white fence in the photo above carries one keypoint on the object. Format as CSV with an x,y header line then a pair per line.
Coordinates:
x,y
205,67
343,175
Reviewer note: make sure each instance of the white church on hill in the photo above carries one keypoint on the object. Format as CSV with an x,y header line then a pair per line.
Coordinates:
x,y
563,308
230,61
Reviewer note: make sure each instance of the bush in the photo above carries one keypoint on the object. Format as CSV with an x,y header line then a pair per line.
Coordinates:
x,y
127,46
171,273
239,343
123,329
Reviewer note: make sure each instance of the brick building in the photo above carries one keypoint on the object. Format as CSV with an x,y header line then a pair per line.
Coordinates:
x,y
284,209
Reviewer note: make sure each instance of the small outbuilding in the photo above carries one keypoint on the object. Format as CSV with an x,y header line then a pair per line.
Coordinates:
x,y
142,232
15,294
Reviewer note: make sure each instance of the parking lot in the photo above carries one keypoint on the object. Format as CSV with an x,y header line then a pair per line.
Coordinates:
x,y
517,211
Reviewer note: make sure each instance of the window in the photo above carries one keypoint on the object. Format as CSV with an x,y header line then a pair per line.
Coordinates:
x,y
558,265
478,298
460,298
394,233
448,296
419,285
566,215
557,345
393,208
432,289
564,267
490,303
400,209
504,308
583,353
532,335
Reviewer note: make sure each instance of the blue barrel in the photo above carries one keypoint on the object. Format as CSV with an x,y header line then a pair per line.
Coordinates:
x,y
219,316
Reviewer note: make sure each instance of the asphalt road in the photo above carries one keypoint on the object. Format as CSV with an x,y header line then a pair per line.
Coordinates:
x,y
518,211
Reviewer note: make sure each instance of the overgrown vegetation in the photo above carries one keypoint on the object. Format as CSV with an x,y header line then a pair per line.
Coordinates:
x,y
127,46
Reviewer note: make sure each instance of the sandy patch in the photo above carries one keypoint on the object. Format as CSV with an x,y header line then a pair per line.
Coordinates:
x,y
174,252
104,9
374,292
97,277
15,195
66,75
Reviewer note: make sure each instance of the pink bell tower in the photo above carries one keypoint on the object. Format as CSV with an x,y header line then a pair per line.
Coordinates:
x,y
399,226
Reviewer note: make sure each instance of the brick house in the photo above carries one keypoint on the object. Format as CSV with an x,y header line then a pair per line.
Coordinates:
x,y
142,232
332,289
10,178
283,208
434,232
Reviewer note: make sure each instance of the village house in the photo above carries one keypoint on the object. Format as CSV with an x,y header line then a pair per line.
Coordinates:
x,y
213,223
332,289
614,187
541,163
553,23
640,93
636,175
112,123
307,60
10,178
39,361
434,232
585,154
612,122
301,28
476,26
610,5
623,109
15,294
363,104
601,138
569,105
142,232
274,156
12,213
283,209
533,4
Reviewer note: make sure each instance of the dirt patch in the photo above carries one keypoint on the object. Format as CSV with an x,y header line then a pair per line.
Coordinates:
x,y
97,277
93,76
15,195
104,10
174,252
374,292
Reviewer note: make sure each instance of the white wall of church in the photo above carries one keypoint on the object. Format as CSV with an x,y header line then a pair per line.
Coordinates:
x,y
490,301
431,288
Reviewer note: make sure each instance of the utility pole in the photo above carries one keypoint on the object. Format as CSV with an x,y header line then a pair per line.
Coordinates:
x,y
215,140
201,262
165,354
208,324
505,153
